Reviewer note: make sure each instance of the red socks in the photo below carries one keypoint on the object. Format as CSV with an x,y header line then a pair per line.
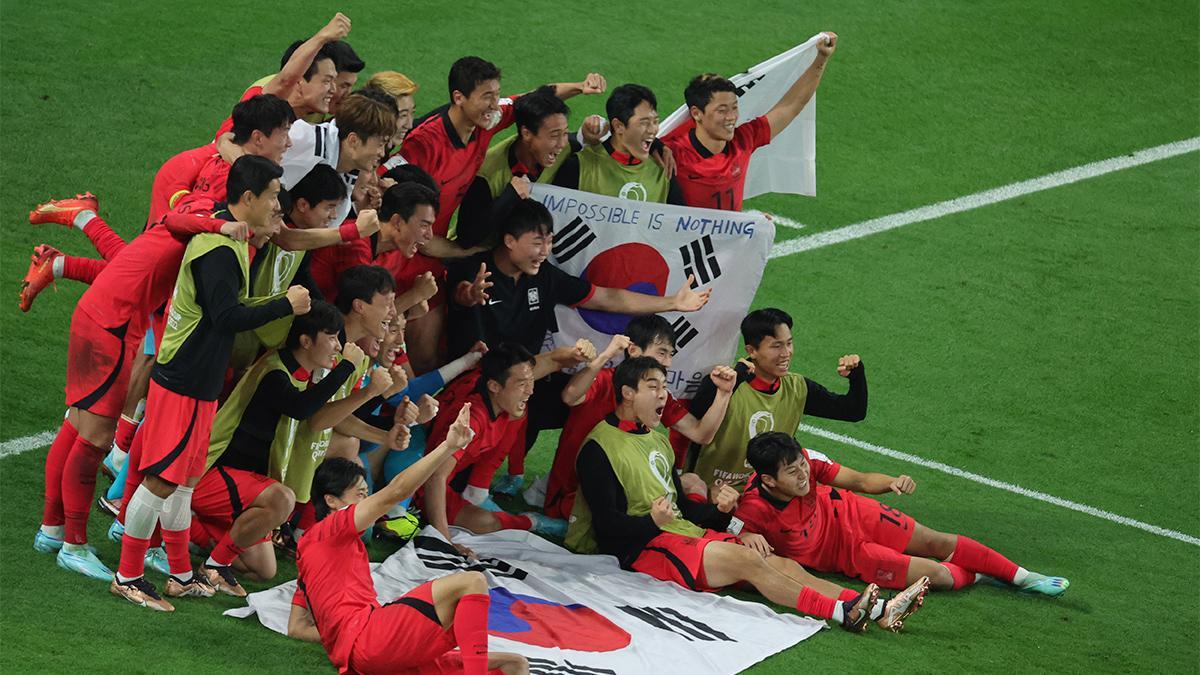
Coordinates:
x,y
225,552
56,462
179,559
82,269
813,603
962,577
975,557
510,521
107,242
847,594
470,631
78,488
133,556
126,428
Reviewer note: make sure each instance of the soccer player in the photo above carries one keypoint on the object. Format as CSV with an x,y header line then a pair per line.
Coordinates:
x,y
353,141
632,507
498,396
236,505
510,292
348,65
591,396
771,398
620,166
335,602
205,313
712,151
808,508
451,144
400,87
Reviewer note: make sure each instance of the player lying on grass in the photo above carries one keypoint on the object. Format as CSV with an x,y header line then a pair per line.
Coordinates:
x,y
592,398
633,507
335,601
805,505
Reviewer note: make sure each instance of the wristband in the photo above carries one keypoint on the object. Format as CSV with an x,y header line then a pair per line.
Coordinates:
x,y
349,230
735,526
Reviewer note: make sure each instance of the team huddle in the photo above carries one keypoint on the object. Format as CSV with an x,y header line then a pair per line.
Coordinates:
x,y
332,327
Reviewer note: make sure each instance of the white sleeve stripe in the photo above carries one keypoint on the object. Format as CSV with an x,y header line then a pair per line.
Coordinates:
x,y
819,456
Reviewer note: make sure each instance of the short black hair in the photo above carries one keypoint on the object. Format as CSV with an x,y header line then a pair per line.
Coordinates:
x,y
625,99
768,451
527,215
333,477
321,183
632,371
468,73
411,173
761,324
700,90
382,96
404,198
253,173
533,108
647,329
345,59
324,53
321,317
263,113
499,360
363,282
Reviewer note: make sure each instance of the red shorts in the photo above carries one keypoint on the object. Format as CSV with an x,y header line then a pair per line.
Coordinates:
x,y
402,634
880,535
99,361
220,497
176,435
674,557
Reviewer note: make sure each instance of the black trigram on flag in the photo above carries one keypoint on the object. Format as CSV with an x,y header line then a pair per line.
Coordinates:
x,y
670,620
698,259
438,555
685,332
571,239
548,667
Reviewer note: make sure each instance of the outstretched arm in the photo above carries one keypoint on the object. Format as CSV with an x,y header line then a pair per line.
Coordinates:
x,y
872,483
629,302
799,94
286,79
594,83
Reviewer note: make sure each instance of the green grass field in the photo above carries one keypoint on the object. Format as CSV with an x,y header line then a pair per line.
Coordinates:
x,y
1051,341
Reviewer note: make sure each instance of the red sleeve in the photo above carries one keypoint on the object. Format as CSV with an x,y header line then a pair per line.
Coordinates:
x,y
821,467
756,514
299,599
415,150
185,225
753,134
673,412
486,465
600,386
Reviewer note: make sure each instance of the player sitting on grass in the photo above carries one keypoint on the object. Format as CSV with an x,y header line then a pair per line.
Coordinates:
x,y
806,507
633,508
335,601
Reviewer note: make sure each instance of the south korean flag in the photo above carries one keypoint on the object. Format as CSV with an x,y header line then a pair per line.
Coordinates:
x,y
654,248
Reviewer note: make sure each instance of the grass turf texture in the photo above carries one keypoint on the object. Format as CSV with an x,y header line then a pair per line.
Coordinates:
x,y
1049,341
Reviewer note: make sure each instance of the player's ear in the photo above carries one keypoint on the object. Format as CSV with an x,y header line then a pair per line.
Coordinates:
x,y
526,134
457,97
510,241
695,113
616,125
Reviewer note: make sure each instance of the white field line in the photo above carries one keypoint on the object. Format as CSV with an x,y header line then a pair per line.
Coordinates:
x,y
974,201
784,221
26,443
1001,485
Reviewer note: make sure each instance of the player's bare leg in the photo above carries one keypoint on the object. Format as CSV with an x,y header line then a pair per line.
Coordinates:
x,y
268,511
796,571
726,564
257,563
423,340
966,561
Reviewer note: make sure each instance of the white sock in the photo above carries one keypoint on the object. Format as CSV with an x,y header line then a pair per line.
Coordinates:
x,y
77,549
119,458
177,510
143,513
83,217
140,411
56,531
56,267
877,610
838,615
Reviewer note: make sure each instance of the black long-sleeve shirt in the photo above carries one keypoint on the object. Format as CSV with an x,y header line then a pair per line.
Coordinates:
x,y
249,447
618,533
198,368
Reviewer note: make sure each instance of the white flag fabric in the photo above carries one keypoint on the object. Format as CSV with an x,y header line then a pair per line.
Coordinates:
x,y
789,163
653,248
576,614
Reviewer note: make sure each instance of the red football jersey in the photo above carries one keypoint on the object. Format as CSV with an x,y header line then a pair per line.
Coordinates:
x,y
715,181
334,580
328,262
208,189
599,402
175,179
435,146
141,278
494,435
804,529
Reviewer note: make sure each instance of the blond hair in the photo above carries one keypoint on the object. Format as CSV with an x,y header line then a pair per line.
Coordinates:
x,y
394,83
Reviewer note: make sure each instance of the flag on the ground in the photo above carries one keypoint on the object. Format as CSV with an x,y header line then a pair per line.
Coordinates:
x,y
653,248
789,163
572,613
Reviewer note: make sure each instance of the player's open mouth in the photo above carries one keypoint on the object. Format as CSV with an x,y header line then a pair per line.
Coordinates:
x,y
551,158
659,410
646,145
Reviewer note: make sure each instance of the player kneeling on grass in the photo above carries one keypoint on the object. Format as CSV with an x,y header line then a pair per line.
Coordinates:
x,y
335,601
633,508
805,505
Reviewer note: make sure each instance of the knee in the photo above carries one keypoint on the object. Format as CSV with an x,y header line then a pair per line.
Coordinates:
x,y
474,583
943,544
280,499
693,485
265,569
941,578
